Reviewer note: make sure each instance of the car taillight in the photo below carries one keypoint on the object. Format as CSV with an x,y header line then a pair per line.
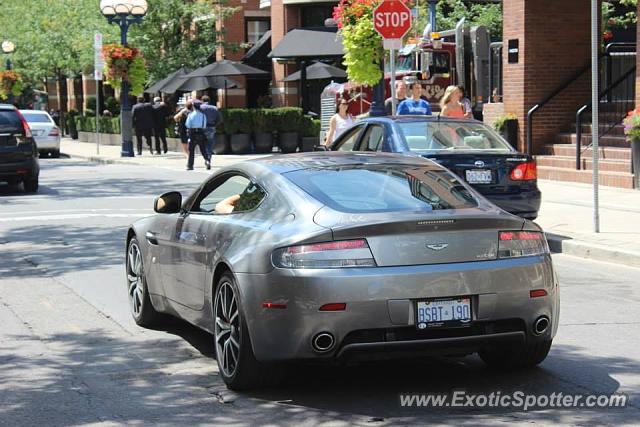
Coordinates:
x,y
513,244
25,125
340,254
54,132
525,172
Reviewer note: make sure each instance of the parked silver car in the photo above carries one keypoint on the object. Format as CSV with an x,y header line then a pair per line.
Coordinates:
x,y
44,130
343,256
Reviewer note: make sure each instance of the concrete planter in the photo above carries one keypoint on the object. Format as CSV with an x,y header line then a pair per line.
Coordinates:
x,y
241,143
288,141
308,142
222,144
264,142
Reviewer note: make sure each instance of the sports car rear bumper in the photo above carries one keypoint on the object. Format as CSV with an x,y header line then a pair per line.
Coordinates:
x,y
380,307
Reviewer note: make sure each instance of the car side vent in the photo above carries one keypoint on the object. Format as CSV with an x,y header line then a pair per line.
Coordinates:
x,y
437,222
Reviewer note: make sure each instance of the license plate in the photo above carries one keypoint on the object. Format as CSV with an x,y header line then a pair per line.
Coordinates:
x,y
479,176
443,312
37,132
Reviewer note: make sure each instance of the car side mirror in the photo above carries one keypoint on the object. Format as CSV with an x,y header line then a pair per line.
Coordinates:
x,y
168,203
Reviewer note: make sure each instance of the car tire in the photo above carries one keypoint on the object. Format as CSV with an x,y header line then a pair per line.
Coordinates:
x,y
516,356
237,363
140,305
55,154
31,185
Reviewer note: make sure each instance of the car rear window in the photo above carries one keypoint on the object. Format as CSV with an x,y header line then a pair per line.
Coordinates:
x,y
446,136
37,118
9,121
384,188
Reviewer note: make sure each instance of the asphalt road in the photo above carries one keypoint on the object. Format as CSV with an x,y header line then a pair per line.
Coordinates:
x,y
70,353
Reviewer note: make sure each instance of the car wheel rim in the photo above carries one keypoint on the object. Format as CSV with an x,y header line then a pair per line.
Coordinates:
x,y
135,279
227,329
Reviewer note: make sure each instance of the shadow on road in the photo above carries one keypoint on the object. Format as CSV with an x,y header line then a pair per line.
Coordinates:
x,y
92,376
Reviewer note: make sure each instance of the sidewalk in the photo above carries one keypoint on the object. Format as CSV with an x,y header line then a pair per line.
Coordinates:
x,y
566,213
110,154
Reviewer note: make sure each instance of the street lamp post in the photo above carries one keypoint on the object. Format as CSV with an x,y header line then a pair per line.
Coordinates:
x,y
124,13
8,48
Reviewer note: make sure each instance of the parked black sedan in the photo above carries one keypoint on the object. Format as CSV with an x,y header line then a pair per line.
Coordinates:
x,y
469,148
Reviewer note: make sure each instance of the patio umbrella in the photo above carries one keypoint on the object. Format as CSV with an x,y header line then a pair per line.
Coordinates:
x,y
227,68
187,84
159,86
318,71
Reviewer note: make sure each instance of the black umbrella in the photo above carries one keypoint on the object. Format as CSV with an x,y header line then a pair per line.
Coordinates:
x,y
318,71
187,84
227,68
159,86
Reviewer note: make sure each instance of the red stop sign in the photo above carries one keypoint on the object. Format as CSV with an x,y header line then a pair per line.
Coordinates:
x,y
392,19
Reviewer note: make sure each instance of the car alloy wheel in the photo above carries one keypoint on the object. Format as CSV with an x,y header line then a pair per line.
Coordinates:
x,y
227,329
140,304
135,278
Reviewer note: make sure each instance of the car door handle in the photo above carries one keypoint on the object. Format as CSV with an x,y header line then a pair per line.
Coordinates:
x,y
151,237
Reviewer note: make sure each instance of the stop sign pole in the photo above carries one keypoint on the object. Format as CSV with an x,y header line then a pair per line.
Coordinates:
x,y
392,20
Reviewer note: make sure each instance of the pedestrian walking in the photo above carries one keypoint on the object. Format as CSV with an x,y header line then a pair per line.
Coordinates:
x,y
142,114
339,122
213,119
160,115
466,103
181,129
414,105
196,125
401,95
450,105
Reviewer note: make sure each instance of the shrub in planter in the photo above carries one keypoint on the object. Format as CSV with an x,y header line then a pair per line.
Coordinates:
x,y
112,105
310,133
239,130
263,128
222,144
289,126
507,125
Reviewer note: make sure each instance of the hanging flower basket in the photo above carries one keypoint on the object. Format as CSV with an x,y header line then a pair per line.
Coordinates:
x,y
632,126
124,64
362,43
10,84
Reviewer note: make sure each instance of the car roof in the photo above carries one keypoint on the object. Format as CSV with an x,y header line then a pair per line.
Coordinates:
x,y
34,111
326,159
7,107
420,118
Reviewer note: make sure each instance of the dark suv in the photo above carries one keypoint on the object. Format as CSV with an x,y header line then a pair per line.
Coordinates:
x,y
18,150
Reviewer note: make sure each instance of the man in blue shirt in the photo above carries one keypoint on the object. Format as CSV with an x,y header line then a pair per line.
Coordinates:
x,y
213,119
414,105
196,125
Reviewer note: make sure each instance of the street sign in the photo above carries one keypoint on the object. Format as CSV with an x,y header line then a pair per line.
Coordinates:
x,y
392,19
98,58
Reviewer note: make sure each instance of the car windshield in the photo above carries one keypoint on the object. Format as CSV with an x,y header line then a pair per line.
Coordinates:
x,y
445,136
384,188
36,118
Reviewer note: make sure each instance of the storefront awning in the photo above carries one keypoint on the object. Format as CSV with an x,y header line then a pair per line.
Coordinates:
x,y
303,43
259,53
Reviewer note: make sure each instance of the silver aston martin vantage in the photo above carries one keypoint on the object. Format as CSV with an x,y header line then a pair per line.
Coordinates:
x,y
334,256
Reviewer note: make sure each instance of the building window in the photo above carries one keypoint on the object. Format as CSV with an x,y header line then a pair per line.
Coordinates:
x,y
314,16
255,28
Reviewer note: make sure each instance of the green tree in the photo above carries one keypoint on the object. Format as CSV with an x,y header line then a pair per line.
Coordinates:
x,y
178,33
449,12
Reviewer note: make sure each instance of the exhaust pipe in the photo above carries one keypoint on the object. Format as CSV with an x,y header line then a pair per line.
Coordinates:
x,y
540,326
323,342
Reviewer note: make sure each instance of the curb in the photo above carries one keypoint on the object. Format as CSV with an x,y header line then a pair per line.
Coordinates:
x,y
568,246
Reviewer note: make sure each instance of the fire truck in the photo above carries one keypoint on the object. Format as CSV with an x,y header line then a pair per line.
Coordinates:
x,y
453,57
